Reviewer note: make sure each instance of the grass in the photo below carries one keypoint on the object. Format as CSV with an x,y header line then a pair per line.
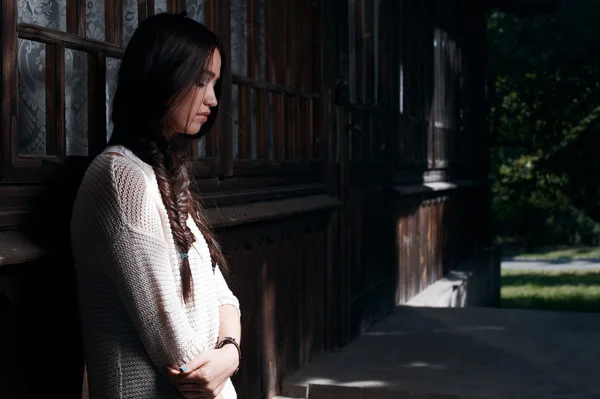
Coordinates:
x,y
557,254
571,291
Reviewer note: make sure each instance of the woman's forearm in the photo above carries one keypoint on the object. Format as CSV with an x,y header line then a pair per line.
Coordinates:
x,y
230,325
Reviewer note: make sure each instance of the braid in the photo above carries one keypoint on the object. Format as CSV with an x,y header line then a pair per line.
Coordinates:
x,y
173,177
173,185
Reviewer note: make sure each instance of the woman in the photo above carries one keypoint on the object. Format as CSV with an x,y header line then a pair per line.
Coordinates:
x,y
158,318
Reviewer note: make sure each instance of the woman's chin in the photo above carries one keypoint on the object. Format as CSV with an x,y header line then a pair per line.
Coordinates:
x,y
194,129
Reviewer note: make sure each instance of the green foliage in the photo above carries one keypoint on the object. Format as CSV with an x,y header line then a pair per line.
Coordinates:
x,y
546,95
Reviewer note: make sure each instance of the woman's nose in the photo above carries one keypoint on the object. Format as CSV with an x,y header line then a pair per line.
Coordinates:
x,y
210,101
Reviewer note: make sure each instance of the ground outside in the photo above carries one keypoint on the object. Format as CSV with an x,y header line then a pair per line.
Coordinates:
x,y
461,353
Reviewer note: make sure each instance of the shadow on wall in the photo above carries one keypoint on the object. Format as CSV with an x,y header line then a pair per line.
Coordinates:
x,y
45,323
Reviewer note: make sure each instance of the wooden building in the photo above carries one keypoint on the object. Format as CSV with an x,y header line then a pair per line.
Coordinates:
x,y
347,173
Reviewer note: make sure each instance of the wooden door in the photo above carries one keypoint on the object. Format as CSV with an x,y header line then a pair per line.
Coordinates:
x,y
363,129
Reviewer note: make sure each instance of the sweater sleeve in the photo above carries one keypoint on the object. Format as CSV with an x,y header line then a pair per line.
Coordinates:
x,y
138,263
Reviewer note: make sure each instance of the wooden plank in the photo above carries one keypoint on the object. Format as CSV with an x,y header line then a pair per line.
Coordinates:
x,y
297,56
309,45
278,126
210,14
299,129
276,88
261,124
249,213
16,203
360,51
303,136
8,75
288,130
320,256
76,17
270,41
369,83
174,6
220,199
422,268
151,7
142,10
33,32
345,283
312,144
269,326
112,30
16,248
331,285
289,168
244,122
400,260
249,182
284,47
248,381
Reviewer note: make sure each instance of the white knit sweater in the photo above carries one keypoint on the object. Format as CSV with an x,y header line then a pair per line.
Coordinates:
x,y
134,320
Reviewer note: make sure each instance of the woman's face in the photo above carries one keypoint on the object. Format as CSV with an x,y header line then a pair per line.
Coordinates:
x,y
189,114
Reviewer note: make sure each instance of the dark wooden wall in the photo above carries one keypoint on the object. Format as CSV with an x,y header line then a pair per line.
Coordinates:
x,y
349,171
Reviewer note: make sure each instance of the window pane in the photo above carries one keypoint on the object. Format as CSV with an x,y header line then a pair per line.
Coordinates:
x,y
46,13
76,106
95,19
195,9
32,97
112,74
130,19
202,147
239,53
160,6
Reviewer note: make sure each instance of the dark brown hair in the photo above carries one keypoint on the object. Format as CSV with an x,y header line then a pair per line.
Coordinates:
x,y
166,56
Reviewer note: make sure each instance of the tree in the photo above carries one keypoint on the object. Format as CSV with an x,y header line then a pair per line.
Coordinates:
x,y
546,88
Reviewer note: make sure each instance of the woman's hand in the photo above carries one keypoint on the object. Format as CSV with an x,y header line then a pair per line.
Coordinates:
x,y
206,375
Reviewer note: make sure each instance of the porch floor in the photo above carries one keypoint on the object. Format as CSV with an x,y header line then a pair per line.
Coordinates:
x,y
452,353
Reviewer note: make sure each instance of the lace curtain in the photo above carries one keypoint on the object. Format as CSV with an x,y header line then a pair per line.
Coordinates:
x,y
95,19
32,97
47,13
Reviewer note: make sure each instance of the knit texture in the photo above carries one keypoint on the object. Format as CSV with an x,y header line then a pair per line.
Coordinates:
x,y
134,319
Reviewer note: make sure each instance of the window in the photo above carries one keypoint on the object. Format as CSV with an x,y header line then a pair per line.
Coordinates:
x,y
429,78
275,91
61,61
366,78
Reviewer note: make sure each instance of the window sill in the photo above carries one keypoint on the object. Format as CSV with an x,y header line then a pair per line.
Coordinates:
x,y
269,210
16,248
